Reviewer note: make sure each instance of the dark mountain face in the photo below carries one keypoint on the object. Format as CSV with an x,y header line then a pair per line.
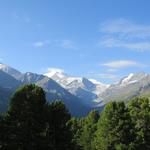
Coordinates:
x,y
88,84
76,93
4,98
8,85
29,78
85,89
133,85
8,82
55,92
11,71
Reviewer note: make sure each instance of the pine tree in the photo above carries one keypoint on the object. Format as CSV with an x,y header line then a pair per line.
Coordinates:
x,y
24,120
75,128
58,132
140,112
88,130
114,128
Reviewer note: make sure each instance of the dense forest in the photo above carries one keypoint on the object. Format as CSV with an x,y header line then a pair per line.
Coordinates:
x,y
31,123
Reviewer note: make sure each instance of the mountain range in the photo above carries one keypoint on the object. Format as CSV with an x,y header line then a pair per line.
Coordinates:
x,y
78,93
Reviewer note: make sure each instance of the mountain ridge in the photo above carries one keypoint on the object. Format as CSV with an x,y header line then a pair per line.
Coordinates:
x,y
53,90
78,93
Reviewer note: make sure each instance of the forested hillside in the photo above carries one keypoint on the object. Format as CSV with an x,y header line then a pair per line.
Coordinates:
x,y
30,123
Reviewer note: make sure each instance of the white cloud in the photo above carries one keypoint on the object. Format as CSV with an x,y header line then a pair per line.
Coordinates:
x,y
111,70
39,44
122,33
66,44
126,28
52,71
55,70
112,42
107,76
122,64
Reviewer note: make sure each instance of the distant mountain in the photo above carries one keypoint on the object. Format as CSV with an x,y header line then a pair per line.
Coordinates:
x,y
85,89
9,70
9,83
56,92
4,98
133,85
79,94
29,77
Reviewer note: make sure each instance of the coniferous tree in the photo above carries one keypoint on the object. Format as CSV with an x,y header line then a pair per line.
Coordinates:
x,y
140,112
88,130
24,120
32,124
115,129
76,129
58,131
2,131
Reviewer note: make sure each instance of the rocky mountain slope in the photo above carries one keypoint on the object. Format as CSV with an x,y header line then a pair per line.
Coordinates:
x,y
79,94
137,84
85,89
53,90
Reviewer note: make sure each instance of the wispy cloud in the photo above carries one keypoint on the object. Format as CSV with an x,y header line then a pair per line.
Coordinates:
x,y
111,70
122,33
101,76
52,71
107,76
55,70
117,43
66,44
122,64
39,44
125,27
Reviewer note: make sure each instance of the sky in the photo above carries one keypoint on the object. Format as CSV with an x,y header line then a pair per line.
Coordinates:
x,y
101,39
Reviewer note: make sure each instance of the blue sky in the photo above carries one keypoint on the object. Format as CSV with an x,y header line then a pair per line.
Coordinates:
x,y
101,39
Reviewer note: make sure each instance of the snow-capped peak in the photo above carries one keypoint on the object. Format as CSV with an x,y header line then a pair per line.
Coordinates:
x,y
55,72
97,82
127,79
77,85
4,67
94,81
100,87
133,78
9,70
71,79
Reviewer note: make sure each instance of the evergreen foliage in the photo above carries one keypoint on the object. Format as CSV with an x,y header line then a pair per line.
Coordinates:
x,y
58,132
24,121
32,124
115,130
139,109
88,130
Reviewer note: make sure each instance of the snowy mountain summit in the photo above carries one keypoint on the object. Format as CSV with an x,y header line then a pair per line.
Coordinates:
x,y
9,70
86,89
54,73
90,92
133,78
